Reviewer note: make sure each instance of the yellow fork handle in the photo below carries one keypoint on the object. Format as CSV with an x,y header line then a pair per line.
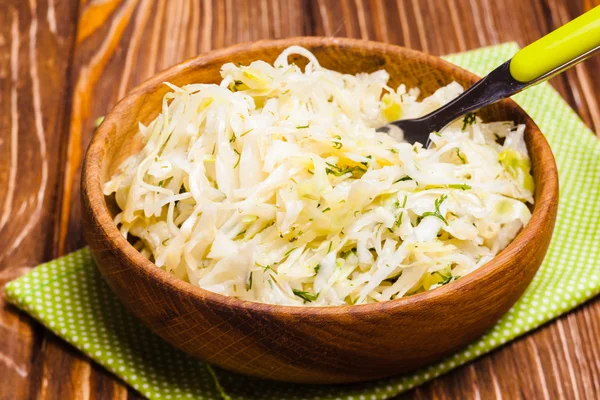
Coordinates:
x,y
557,48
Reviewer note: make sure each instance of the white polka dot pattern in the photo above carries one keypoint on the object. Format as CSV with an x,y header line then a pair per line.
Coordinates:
x,y
70,298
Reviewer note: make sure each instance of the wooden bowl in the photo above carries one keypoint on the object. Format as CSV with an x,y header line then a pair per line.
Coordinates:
x,y
311,345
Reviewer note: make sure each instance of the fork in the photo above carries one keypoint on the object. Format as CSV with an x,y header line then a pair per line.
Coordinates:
x,y
543,59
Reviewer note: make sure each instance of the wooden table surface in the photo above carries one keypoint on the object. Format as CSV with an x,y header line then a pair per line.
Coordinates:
x,y
64,63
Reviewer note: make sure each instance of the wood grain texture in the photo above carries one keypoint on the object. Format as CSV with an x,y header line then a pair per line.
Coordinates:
x,y
36,42
170,34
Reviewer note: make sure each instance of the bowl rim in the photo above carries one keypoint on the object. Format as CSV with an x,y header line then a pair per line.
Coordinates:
x,y
100,215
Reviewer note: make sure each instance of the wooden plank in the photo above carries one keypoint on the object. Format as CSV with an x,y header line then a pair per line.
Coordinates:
x,y
65,373
583,80
36,39
115,44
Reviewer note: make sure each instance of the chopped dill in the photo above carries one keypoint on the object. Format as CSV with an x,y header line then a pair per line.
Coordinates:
x,y
366,163
336,170
239,158
264,267
445,279
398,220
404,178
468,120
249,284
460,186
437,213
306,296
464,161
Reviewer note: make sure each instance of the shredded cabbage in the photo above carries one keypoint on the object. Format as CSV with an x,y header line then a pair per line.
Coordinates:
x,y
274,186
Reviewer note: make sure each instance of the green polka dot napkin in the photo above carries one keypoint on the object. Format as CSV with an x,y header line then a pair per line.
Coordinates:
x,y
70,298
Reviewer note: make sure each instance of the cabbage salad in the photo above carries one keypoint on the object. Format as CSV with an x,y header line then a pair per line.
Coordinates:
x,y
274,187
